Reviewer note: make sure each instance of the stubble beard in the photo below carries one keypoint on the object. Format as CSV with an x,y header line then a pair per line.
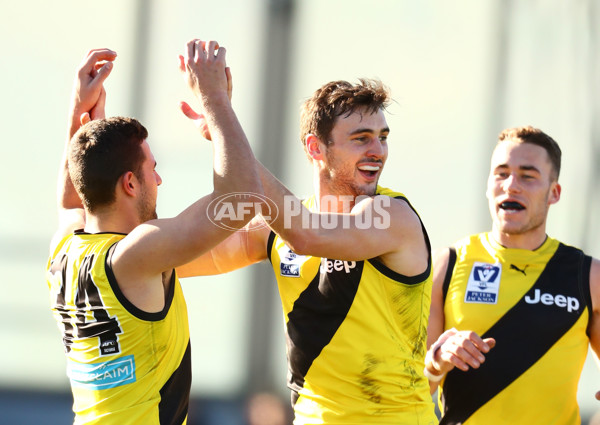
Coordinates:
x,y
147,207
514,229
341,181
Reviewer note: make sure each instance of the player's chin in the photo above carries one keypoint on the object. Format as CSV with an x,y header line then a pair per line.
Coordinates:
x,y
366,190
512,228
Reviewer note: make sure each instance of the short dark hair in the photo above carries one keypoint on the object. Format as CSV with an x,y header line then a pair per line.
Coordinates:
x,y
339,98
100,153
537,137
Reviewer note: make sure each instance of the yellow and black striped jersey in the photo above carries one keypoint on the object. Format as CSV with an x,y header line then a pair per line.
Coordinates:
x,y
536,305
125,365
356,338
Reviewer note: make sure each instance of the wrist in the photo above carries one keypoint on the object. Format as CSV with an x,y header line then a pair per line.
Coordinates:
x,y
433,377
432,370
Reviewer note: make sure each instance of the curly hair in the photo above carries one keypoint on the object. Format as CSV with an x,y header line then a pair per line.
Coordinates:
x,y
339,98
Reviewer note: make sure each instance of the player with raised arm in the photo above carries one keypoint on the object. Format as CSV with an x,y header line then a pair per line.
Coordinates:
x,y
113,288
353,268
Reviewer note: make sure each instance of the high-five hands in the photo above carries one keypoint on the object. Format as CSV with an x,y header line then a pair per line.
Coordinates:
x,y
205,72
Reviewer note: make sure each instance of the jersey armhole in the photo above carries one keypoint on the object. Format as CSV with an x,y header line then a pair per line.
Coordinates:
x,y
128,305
449,271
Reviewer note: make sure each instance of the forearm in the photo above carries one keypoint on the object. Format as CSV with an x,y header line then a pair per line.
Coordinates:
x,y
287,224
234,161
87,102
66,195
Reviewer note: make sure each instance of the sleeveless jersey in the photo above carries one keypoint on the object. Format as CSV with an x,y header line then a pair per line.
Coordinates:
x,y
126,366
536,304
356,338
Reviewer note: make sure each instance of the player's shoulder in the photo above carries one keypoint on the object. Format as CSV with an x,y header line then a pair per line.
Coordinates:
x,y
384,191
394,200
470,243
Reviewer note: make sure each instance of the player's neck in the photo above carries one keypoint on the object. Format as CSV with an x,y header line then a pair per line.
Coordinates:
x,y
329,201
110,221
531,240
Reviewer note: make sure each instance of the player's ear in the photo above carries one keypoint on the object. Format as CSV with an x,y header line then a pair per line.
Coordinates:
x,y
554,194
314,147
128,183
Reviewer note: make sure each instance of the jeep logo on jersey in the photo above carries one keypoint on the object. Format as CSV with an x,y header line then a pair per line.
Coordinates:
x,y
570,303
328,266
227,209
483,284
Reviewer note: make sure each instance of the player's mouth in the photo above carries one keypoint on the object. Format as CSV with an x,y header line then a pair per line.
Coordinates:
x,y
511,206
370,171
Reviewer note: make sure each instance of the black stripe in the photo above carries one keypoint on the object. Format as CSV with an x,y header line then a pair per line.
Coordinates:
x,y
449,271
316,316
526,326
270,242
175,394
80,232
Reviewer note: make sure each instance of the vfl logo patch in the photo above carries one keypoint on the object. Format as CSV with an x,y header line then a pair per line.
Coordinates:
x,y
483,284
100,376
290,262
290,270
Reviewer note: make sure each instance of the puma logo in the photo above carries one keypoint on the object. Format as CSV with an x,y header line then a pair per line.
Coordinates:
x,y
513,267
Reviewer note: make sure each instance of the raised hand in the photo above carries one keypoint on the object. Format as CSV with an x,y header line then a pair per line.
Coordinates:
x,y
199,119
204,70
88,95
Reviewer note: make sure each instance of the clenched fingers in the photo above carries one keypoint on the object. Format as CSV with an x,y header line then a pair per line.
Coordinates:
x,y
465,349
95,60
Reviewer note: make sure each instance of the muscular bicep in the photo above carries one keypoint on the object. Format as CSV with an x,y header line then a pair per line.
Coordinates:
x,y
377,227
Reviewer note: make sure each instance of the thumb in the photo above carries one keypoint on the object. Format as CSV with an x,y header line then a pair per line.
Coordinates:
x,y
189,112
84,118
181,64
229,82
491,342
198,119
104,72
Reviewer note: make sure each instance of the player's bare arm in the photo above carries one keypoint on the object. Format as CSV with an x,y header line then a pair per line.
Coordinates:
x,y
158,246
594,326
242,248
386,228
436,313
452,348
245,247
87,101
